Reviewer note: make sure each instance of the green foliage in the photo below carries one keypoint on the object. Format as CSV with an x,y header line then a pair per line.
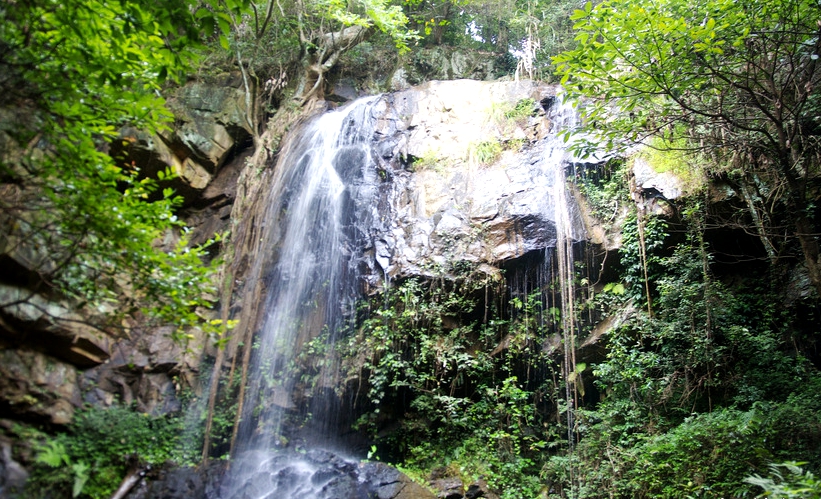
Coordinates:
x,y
655,233
676,157
697,395
523,109
477,390
660,70
668,64
429,161
378,14
370,63
606,190
485,152
272,37
95,454
705,455
55,455
508,116
189,444
667,156
706,76
702,340
75,73
788,481
532,29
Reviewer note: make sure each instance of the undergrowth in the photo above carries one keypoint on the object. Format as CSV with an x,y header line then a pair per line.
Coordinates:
x,y
98,450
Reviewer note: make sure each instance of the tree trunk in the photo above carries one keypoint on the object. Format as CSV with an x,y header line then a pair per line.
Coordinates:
x,y
321,57
131,479
804,227
760,229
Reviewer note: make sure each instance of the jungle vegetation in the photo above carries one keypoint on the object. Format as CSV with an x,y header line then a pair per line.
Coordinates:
x,y
707,387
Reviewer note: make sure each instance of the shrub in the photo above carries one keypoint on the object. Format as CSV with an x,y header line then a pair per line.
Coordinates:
x,y
792,482
95,454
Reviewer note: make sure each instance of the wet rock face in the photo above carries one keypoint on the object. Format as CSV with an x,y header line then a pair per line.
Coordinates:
x,y
462,180
37,386
317,474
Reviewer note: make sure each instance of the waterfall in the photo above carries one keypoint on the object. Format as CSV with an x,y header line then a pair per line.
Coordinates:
x,y
323,200
321,221
565,117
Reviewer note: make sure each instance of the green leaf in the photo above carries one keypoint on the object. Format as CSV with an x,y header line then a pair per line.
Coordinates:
x,y
53,454
81,476
225,27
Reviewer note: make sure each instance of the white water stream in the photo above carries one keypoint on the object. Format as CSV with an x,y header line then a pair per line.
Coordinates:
x,y
326,183
557,156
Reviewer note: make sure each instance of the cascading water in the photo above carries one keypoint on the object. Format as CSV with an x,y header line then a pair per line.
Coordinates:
x,y
564,117
326,185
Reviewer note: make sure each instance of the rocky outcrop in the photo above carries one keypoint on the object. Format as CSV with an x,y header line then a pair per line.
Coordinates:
x,y
211,119
44,338
52,361
454,488
146,369
38,387
447,63
469,175
213,124
370,70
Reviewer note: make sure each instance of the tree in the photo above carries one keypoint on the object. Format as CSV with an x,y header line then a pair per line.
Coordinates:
x,y
736,80
528,30
311,34
75,222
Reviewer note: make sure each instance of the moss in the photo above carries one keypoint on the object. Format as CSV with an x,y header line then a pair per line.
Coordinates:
x,y
675,157
429,161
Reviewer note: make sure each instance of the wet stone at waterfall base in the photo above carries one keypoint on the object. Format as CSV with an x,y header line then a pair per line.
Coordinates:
x,y
315,474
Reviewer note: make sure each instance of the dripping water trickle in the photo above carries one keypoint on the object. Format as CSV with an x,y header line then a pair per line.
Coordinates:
x,y
557,155
564,257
